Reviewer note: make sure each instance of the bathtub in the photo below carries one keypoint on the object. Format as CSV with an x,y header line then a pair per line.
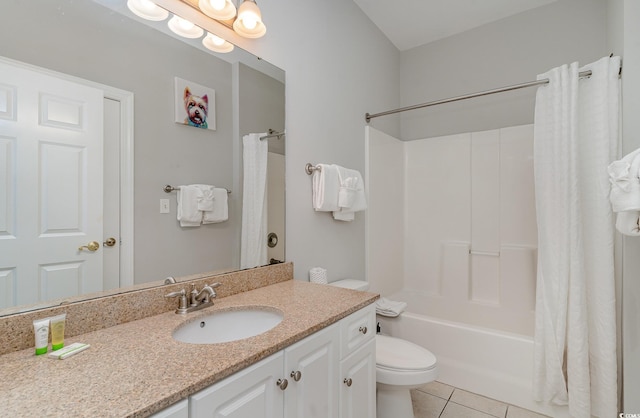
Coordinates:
x,y
491,363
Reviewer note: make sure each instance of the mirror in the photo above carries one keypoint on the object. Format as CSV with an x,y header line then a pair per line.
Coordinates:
x,y
138,65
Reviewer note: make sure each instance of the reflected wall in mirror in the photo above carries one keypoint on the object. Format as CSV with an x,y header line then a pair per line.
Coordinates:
x,y
106,47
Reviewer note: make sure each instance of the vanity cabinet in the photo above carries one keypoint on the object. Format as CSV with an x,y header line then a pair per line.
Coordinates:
x,y
331,373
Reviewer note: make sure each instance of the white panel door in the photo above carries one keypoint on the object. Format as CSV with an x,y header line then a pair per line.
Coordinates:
x,y
51,142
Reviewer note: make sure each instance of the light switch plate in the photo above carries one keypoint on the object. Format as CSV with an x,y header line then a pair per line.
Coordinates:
x,y
164,206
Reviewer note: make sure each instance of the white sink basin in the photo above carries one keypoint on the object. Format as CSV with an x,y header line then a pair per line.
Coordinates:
x,y
225,326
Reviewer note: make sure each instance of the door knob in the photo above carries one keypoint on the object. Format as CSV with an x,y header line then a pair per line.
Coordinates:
x,y
110,242
347,381
92,246
296,375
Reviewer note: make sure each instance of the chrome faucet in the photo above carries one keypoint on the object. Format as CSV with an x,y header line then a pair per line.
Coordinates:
x,y
196,300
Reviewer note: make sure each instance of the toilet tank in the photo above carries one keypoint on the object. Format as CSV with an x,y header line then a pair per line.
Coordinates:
x,y
351,284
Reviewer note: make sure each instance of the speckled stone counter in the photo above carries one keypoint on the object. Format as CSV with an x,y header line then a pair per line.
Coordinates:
x,y
137,368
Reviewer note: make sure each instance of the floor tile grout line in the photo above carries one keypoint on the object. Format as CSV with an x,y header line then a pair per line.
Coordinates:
x,y
477,410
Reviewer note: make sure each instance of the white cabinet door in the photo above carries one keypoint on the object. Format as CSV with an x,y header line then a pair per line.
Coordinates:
x,y
316,359
250,393
358,384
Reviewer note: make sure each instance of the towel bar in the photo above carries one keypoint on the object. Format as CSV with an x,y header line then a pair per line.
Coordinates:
x,y
169,188
273,134
310,168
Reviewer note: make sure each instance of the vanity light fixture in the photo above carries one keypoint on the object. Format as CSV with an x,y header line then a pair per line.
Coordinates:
x,y
147,9
246,21
216,44
183,27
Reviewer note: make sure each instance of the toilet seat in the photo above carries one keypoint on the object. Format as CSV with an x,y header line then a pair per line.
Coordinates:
x,y
401,364
400,355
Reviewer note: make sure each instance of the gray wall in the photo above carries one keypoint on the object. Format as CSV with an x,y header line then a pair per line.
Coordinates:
x,y
509,51
83,39
338,67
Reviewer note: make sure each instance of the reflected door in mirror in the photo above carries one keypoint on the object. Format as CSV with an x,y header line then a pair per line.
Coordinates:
x,y
51,199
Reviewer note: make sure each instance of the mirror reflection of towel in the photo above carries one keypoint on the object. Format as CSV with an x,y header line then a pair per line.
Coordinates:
x,y
188,213
220,208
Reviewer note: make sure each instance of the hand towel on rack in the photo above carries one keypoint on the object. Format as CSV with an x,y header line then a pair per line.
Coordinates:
x,y
188,213
220,212
624,176
205,199
326,186
351,196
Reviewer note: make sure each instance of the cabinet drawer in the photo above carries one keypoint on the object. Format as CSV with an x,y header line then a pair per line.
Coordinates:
x,y
357,329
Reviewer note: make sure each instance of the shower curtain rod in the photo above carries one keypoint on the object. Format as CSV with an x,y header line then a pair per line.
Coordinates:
x,y
368,116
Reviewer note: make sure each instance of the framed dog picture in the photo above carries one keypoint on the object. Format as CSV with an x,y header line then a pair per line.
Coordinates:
x,y
195,105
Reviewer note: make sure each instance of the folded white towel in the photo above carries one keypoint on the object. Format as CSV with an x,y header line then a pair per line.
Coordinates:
x,y
351,196
188,213
625,183
326,186
220,207
205,200
386,307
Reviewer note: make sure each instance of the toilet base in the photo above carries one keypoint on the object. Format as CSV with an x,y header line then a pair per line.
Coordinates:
x,y
393,402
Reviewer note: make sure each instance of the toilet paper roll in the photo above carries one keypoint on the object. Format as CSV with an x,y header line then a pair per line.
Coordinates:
x,y
318,275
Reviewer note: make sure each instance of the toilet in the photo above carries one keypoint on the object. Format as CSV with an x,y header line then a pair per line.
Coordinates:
x,y
400,366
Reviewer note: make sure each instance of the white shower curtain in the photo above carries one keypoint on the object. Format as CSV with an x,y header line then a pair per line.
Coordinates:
x,y
253,242
575,138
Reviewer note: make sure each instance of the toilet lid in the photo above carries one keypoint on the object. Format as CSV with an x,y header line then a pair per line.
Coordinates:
x,y
396,354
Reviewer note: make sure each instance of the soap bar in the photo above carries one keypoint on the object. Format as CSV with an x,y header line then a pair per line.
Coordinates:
x,y
68,351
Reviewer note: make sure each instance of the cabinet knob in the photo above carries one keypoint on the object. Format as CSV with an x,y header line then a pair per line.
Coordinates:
x,y
363,330
282,383
296,375
347,381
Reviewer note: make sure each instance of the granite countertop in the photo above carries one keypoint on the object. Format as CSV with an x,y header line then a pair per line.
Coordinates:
x,y
137,368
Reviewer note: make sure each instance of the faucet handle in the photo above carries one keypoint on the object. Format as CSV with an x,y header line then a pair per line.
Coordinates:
x,y
182,302
213,286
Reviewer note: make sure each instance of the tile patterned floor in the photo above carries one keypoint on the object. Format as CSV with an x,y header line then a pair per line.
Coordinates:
x,y
437,400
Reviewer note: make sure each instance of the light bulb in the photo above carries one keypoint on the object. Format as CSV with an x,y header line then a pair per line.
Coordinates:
x,y
147,9
250,21
216,43
216,40
218,9
185,24
185,28
147,5
218,4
